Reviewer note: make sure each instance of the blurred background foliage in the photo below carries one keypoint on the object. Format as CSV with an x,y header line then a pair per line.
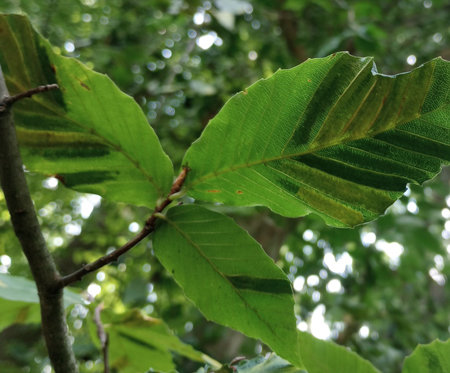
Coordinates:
x,y
380,289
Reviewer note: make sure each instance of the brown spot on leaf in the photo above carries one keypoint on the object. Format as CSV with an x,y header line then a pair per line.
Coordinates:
x,y
213,191
53,68
309,80
84,86
244,92
239,192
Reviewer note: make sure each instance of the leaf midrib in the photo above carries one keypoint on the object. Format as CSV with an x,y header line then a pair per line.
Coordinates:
x,y
377,75
308,151
237,291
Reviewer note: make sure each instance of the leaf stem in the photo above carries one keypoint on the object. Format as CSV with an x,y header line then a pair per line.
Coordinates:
x,y
148,228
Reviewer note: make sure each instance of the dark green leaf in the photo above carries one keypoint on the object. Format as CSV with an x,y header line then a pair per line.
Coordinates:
x,y
89,134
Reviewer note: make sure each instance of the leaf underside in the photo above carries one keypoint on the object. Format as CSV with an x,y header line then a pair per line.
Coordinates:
x,y
228,276
89,134
330,136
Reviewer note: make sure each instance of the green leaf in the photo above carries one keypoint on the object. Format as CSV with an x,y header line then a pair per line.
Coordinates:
x,y
330,136
132,355
270,364
430,358
15,312
139,342
19,301
327,357
228,276
89,134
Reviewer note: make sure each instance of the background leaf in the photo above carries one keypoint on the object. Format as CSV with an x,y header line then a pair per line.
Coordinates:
x,y
89,134
139,342
133,355
330,136
17,312
430,358
19,300
228,276
327,357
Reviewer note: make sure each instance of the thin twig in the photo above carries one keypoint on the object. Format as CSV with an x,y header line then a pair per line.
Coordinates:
x,y
8,101
103,336
148,228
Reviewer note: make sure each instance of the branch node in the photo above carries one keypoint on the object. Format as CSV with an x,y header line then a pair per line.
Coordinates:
x,y
8,101
178,195
158,215
148,228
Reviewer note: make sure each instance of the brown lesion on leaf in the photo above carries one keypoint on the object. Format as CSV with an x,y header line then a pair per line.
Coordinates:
x,y
244,92
53,68
84,86
214,191
309,80
239,192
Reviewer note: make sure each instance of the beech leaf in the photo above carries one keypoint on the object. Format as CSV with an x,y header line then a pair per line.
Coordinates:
x,y
331,136
88,134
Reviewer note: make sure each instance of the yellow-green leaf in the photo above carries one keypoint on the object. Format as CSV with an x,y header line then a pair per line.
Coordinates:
x,y
327,357
430,358
331,136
